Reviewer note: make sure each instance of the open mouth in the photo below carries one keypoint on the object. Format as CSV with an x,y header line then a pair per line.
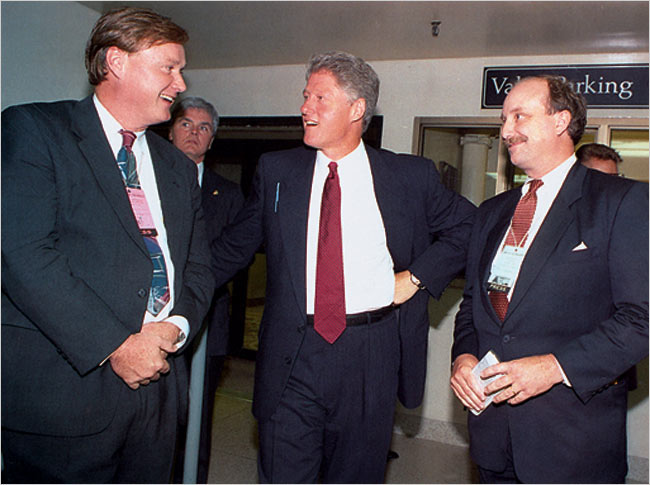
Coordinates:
x,y
310,123
167,98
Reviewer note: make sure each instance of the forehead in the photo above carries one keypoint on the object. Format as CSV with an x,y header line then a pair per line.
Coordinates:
x,y
323,80
169,53
527,94
196,115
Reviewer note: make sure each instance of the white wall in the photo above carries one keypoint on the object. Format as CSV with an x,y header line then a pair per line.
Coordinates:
x,y
43,46
42,59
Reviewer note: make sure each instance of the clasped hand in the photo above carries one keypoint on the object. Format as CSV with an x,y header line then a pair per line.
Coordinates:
x,y
519,379
142,357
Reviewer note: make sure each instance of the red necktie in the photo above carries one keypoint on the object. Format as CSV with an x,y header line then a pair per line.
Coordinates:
x,y
329,300
517,235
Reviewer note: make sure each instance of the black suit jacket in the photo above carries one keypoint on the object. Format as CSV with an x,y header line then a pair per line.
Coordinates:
x,y
75,270
221,201
427,228
588,307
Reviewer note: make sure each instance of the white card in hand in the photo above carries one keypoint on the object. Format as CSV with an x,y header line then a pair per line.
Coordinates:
x,y
488,359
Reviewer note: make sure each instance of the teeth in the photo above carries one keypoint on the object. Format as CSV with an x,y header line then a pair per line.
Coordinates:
x,y
311,123
167,98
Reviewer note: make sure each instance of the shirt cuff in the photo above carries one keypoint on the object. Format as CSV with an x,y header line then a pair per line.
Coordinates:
x,y
184,327
565,379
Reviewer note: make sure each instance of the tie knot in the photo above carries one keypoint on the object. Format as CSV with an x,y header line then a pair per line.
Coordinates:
x,y
333,166
534,185
128,137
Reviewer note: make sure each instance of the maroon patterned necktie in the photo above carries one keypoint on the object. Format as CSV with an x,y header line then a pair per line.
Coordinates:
x,y
517,235
329,300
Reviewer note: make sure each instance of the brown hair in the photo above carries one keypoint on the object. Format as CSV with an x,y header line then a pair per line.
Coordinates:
x,y
130,29
597,150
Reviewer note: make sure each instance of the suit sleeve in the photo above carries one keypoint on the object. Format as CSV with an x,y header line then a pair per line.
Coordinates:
x,y
595,359
36,275
449,218
235,247
197,288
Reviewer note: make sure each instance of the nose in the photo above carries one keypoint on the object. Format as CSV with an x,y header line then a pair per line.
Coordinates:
x,y
506,128
305,109
179,83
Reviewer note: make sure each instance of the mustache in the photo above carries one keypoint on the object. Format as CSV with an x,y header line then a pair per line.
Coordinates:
x,y
514,140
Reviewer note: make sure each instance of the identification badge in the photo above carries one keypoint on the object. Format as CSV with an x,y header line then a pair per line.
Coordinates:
x,y
505,269
141,209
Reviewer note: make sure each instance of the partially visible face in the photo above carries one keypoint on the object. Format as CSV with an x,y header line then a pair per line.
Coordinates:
x,y
329,117
152,80
602,165
192,133
530,133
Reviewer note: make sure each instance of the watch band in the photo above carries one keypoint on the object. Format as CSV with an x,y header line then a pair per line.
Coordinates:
x,y
417,282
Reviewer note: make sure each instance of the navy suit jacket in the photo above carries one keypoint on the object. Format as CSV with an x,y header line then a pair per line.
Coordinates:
x,y
588,307
427,229
75,270
221,201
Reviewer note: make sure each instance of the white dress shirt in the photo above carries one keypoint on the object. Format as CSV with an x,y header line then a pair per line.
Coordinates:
x,y
367,264
150,188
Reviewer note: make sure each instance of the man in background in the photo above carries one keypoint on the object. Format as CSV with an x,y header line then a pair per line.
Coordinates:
x,y
105,267
356,240
557,288
599,157
194,126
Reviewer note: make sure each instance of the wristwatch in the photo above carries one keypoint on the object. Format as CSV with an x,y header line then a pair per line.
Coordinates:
x,y
417,282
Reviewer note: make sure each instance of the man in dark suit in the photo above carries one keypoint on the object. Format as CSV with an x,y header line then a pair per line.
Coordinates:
x,y
557,288
194,126
342,336
105,267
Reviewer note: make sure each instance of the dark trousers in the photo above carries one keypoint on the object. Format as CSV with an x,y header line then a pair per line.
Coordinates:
x,y
137,447
335,418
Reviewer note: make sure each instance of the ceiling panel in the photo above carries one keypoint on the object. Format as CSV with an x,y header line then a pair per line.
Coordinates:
x,y
242,33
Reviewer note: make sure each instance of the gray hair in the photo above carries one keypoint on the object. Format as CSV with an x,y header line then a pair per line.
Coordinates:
x,y
199,103
354,76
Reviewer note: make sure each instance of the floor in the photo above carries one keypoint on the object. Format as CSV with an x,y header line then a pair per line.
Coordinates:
x,y
234,441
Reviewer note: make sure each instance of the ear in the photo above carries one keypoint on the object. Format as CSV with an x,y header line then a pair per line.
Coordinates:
x,y
210,145
116,61
358,109
562,121
170,136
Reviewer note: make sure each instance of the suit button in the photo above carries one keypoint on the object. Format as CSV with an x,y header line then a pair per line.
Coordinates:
x,y
287,360
506,339
142,292
301,328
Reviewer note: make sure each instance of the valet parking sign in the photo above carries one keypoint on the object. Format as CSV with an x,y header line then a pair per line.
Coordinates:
x,y
603,86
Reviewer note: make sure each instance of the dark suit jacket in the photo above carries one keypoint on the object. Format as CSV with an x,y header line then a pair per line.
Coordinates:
x,y
427,228
221,201
75,270
589,308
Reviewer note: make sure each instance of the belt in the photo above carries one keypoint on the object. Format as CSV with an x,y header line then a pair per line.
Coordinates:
x,y
363,318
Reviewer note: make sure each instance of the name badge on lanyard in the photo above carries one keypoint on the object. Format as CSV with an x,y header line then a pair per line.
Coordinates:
x,y
505,268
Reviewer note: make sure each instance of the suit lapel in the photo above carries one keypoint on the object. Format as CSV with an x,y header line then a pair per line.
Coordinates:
x,y
170,194
293,189
390,195
549,235
97,151
496,226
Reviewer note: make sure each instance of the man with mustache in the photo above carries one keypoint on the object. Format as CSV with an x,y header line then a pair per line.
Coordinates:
x,y
353,235
106,267
557,288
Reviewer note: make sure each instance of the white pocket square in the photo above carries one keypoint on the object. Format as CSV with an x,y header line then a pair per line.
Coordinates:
x,y
580,247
